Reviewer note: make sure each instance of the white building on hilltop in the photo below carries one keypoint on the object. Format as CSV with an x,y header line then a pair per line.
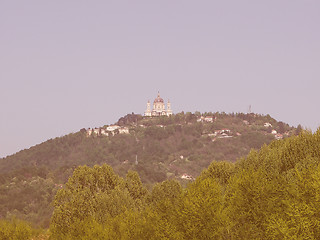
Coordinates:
x,y
159,108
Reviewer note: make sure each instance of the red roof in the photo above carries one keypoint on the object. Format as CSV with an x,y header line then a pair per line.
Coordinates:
x,y
158,99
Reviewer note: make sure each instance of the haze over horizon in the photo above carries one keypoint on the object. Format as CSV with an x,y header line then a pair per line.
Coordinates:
x,y
77,64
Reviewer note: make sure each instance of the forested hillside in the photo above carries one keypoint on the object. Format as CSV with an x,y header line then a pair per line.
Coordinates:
x,y
270,194
176,148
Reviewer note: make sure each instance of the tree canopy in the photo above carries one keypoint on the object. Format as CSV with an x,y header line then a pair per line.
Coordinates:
x,y
272,193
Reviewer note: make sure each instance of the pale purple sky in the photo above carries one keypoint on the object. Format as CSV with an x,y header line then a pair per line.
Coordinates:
x,y
67,65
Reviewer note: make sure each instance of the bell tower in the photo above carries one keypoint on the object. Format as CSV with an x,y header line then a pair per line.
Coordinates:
x,y
169,110
148,111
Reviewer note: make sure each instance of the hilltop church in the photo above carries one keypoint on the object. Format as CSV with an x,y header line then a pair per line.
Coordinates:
x,y
159,108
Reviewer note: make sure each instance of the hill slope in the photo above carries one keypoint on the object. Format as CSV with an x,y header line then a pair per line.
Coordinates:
x,y
180,147
270,194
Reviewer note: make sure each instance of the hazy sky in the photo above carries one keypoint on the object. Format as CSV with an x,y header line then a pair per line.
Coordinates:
x,y
67,65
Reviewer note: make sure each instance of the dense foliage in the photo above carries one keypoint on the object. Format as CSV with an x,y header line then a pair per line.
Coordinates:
x,y
14,229
273,193
157,149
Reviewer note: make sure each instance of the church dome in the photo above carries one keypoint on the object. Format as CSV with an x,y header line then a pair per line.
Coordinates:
x,y
158,99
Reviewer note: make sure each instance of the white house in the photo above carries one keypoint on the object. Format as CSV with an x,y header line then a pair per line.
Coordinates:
x,y
112,128
104,132
267,124
96,131
187,177
109,130
89,132
209,119
124,130
206,119
224,135
225,131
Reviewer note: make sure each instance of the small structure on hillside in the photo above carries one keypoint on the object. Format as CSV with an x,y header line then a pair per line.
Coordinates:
x,y
187,177
124,130
223,133
278,136
110,130
267,124
209,119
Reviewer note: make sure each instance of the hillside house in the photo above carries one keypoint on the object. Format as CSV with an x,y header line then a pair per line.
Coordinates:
x,y
227,131
187,177
104,132
267,125
124,130
89,132
278,136
112,128
208,119
223,133
97,131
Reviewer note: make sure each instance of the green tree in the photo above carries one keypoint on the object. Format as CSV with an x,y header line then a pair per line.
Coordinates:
x,y
298,129
200,215
92,196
